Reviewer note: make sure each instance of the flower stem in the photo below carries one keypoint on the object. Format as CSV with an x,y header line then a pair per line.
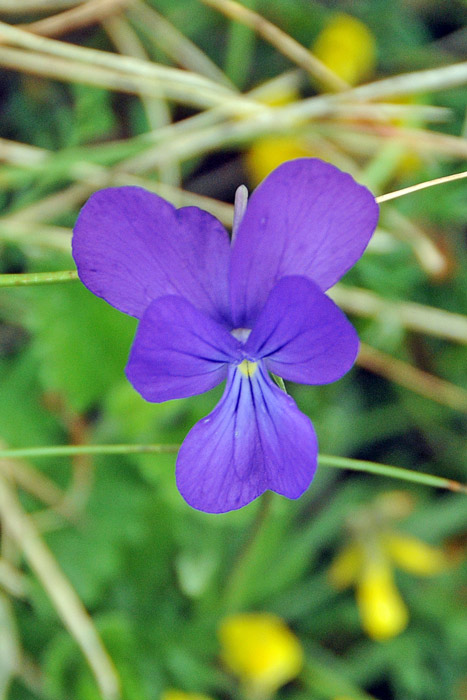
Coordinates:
x,y
34,278
234,586
72,450
324,461
361,465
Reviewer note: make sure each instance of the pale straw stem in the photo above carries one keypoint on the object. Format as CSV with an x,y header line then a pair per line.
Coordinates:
x,y
421,186
283,42
412,378
27,6
61,593
174,43
88,13
414,317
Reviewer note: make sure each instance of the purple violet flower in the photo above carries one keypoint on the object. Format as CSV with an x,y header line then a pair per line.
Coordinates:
x,y
210,311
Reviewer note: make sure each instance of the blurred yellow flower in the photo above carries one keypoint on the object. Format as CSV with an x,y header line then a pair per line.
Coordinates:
x,y
367,562
382,610
346,566
180,695
347,47
413,555
261,651
267,153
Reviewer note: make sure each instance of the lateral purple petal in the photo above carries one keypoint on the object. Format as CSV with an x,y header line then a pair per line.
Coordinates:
x,y
307,218
178,351
303,336
131,247
255,439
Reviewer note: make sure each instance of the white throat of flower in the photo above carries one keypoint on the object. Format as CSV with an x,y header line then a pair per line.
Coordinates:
x,y
241,334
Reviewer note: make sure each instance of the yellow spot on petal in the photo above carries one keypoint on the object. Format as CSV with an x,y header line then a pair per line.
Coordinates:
x,y
261,651
248,368
347,47
413,555
382,610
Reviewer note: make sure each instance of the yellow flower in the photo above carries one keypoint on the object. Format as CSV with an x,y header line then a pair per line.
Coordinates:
x,y
261,651
413,555
382,610
267,153
347,47
180,695
367,562
346,566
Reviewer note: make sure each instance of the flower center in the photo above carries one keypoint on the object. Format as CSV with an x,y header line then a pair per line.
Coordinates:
x,y
248,368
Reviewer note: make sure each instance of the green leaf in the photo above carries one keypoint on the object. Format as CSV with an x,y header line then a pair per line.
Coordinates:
x,y
81,342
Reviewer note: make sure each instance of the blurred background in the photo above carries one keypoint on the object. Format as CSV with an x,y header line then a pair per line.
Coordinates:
x,y
110,585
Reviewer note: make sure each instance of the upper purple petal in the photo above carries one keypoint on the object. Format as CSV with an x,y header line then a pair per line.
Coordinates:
x,y
178,351
302,334
306,218
131,247
255,439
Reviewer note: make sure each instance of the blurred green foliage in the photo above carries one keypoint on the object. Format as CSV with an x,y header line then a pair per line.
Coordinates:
x,y
156,576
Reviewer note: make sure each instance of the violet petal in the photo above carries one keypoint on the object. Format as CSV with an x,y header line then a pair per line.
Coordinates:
x,y
131,247
255,439
303,335
178,351
307,218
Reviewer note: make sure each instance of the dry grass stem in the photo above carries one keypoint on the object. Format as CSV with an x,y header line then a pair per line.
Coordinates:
x,y
157,111
110,79
90,177
11,579
31,675
36,235
80,16
429,256
364,138
421,186
95,57
412,378
174,43
191,138
387,112
33,481
414,317
413,83
151,77
61,593
283,42
16,7
9,645
21,153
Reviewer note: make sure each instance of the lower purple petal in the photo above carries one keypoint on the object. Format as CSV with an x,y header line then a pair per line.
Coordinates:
x,y
255,439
